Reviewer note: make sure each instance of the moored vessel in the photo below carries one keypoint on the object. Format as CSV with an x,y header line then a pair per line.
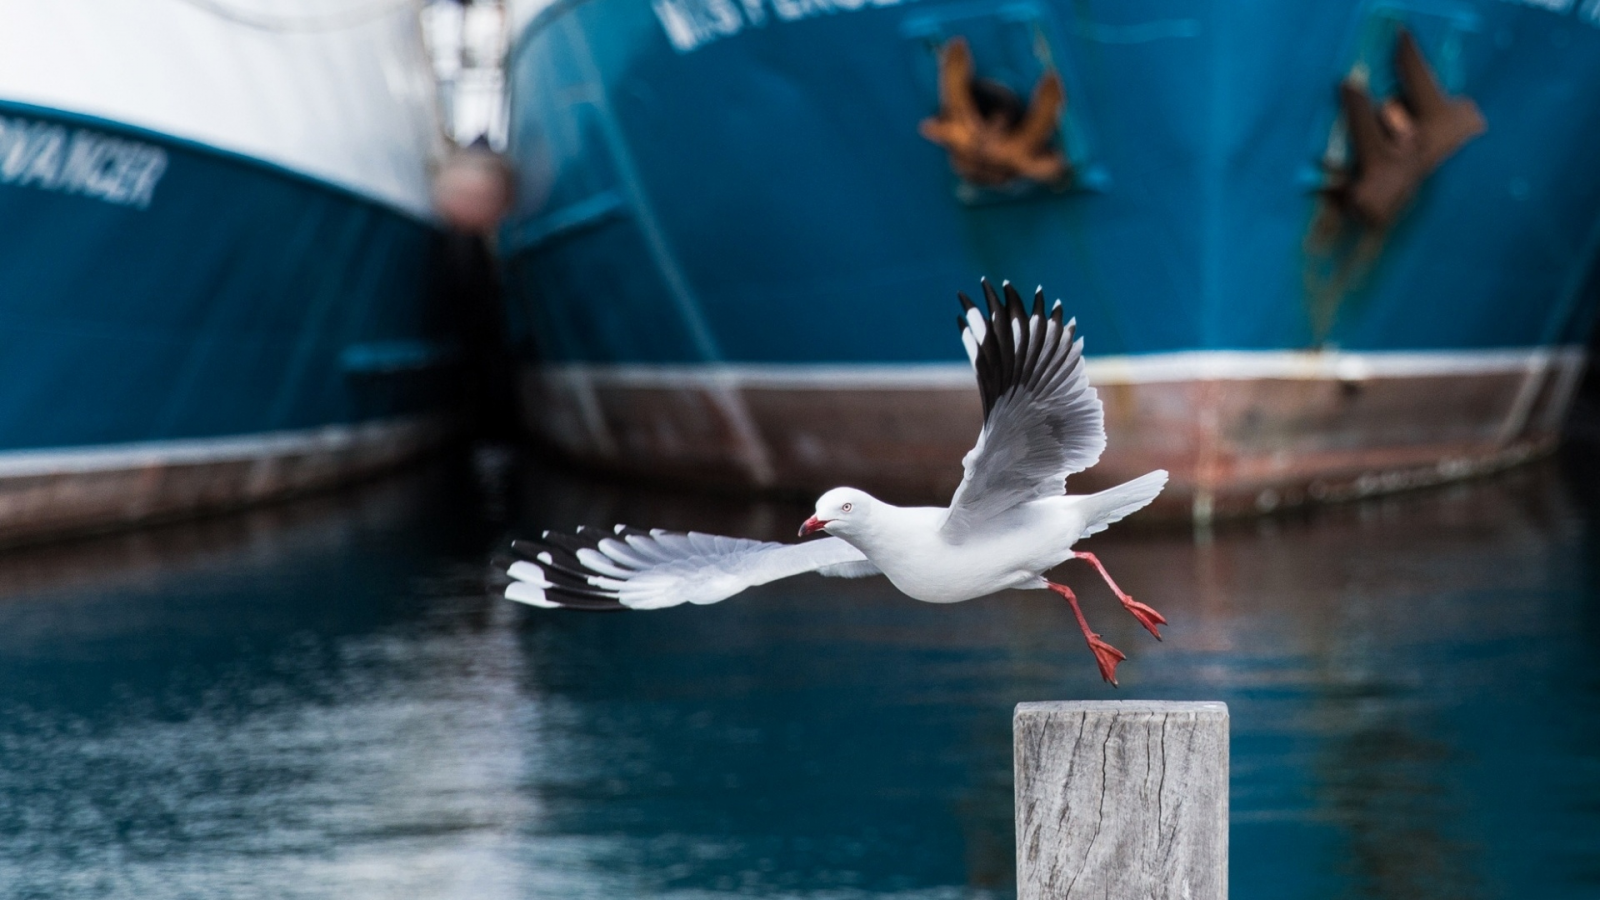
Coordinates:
x,y
214,255
1317,251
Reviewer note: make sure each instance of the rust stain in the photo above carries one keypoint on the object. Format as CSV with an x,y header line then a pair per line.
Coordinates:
x,y
991,137
1399,142
1395,144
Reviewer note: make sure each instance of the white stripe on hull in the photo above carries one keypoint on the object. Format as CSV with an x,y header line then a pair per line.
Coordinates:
x,y
330,439
1201,365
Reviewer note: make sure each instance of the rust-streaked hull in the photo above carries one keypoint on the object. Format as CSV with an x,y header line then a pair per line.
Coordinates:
x,y
1239,433
52,493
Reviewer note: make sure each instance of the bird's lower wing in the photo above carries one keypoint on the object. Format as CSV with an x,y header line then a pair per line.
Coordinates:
x,y
626,568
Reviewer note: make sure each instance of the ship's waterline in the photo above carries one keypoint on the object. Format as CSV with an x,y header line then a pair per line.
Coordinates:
x,y
1240,431
56,492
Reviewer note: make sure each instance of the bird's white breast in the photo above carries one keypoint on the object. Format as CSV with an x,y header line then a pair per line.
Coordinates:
x,y
919,560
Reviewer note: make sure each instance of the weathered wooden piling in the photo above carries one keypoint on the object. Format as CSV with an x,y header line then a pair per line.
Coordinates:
x,y
1122,800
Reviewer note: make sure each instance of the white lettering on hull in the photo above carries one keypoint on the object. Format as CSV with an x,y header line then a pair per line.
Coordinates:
x,y
79,161
691,24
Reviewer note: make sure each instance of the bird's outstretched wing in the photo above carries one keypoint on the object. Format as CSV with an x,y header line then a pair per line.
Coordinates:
x,y
1041,419
627,568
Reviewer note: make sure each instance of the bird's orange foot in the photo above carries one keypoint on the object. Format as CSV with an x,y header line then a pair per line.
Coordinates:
x,y
1107,657
1146,615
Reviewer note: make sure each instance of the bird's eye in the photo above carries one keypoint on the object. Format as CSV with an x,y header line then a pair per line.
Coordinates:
x,y
847,506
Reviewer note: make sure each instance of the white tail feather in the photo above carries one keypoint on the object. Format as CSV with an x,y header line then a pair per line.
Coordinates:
x,y
1113,504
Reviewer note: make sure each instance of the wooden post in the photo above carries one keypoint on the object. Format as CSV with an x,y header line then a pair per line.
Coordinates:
x,y
1122,800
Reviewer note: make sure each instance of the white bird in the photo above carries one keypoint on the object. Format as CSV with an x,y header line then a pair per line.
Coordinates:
x,y
1009,522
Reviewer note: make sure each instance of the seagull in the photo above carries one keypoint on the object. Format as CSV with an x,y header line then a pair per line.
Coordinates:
x,y
1010,520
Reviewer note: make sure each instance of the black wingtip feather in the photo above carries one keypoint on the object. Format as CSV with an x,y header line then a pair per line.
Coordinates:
x,y
568,577
991,297
1035,332
989,352
1013,300
1005,341
1018,333
1067,363
1041,360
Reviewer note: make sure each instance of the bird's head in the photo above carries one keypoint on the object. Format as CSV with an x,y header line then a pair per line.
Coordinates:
x,y
841,511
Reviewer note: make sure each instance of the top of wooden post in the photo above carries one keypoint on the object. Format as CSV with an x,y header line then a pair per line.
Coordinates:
x,y
1206,708
1122,799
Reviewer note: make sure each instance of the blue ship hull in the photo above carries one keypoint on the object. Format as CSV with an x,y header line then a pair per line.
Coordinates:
x,y
728,199
186,328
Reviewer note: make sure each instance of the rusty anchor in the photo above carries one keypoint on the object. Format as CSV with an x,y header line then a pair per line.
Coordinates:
x,y
1397,144
991,137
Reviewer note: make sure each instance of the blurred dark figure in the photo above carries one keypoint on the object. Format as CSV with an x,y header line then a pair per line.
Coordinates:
x,y
471,291
1580,444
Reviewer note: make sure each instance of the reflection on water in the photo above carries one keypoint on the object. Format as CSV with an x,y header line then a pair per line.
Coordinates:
x,y
318,700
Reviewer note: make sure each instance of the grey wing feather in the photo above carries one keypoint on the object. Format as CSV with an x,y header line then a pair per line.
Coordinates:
x,y
627,568
861,568
1041,419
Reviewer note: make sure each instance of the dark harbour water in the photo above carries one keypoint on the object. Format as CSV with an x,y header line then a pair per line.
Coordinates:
x,y
318,700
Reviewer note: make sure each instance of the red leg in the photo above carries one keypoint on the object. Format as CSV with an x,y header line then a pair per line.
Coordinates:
x,y
1105,655
1147,616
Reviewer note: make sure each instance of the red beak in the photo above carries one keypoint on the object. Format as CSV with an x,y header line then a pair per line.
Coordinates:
x,y
812,526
